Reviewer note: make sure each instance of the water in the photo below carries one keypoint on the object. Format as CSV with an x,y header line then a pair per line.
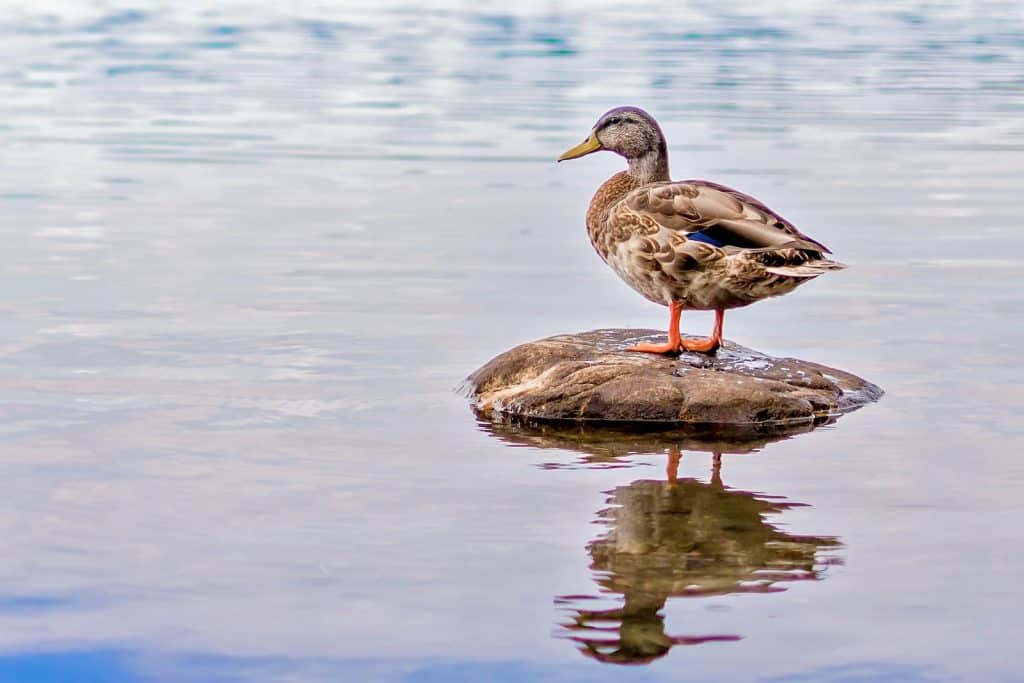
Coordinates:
x,y
251,250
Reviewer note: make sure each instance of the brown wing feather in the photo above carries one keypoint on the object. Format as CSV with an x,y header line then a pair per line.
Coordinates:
x,y
732,217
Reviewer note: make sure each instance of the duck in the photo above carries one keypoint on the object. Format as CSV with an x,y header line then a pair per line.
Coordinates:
x,y
688,244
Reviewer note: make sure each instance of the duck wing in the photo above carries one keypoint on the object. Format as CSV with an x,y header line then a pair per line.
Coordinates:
x,y
703,211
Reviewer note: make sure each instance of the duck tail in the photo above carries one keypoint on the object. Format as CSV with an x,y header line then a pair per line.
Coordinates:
x,y
808,269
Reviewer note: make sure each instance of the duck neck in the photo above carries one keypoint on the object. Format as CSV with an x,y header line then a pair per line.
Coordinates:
x,y
651,167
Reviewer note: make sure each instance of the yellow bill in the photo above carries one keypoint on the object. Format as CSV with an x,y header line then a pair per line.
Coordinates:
x,y
591,144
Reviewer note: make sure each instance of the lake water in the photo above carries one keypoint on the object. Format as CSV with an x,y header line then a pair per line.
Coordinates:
x,y
251,251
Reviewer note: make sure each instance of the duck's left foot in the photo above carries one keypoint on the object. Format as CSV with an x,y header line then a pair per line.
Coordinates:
x,y
667,347
673,345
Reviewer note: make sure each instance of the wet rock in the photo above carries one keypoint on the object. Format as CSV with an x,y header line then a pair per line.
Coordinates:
x,y
591,377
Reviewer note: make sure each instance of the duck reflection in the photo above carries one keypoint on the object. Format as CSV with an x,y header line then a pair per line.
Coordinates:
x,y
682,537
673,538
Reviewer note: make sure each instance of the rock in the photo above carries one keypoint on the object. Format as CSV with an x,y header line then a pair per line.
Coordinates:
x,y
591,377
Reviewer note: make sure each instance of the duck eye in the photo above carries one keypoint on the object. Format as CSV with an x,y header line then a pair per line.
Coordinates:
x,y
613,120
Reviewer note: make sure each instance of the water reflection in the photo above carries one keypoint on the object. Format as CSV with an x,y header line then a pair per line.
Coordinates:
x,y
611,446
673,538
250,246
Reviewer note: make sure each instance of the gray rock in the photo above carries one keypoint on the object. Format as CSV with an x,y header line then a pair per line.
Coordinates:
x,y
591,377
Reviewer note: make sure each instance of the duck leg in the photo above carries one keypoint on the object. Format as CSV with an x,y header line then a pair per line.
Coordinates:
x,y
674,344
709,344
716,469
672,465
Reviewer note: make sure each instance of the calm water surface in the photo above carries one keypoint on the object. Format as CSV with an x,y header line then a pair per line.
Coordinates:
x,y
250,251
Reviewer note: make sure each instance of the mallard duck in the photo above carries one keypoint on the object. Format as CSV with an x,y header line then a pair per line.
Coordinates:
x,y
689,244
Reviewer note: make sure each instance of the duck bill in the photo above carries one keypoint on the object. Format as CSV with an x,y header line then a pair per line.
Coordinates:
x,y
589,145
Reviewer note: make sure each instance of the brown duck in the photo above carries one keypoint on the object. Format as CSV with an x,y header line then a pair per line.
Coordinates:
x,y
690,243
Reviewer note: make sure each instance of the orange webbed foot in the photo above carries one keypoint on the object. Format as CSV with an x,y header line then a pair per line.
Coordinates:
x,y
701,345
667,347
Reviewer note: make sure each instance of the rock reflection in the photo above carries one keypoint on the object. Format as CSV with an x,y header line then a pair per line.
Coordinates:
x,y
611,445
673,538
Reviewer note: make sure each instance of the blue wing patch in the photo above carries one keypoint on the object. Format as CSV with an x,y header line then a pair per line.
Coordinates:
x,y
702,236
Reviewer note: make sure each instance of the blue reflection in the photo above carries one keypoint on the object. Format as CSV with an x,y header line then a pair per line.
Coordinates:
x,y
101,666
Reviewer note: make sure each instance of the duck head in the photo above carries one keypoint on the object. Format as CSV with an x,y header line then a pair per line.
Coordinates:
x,y
631,133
